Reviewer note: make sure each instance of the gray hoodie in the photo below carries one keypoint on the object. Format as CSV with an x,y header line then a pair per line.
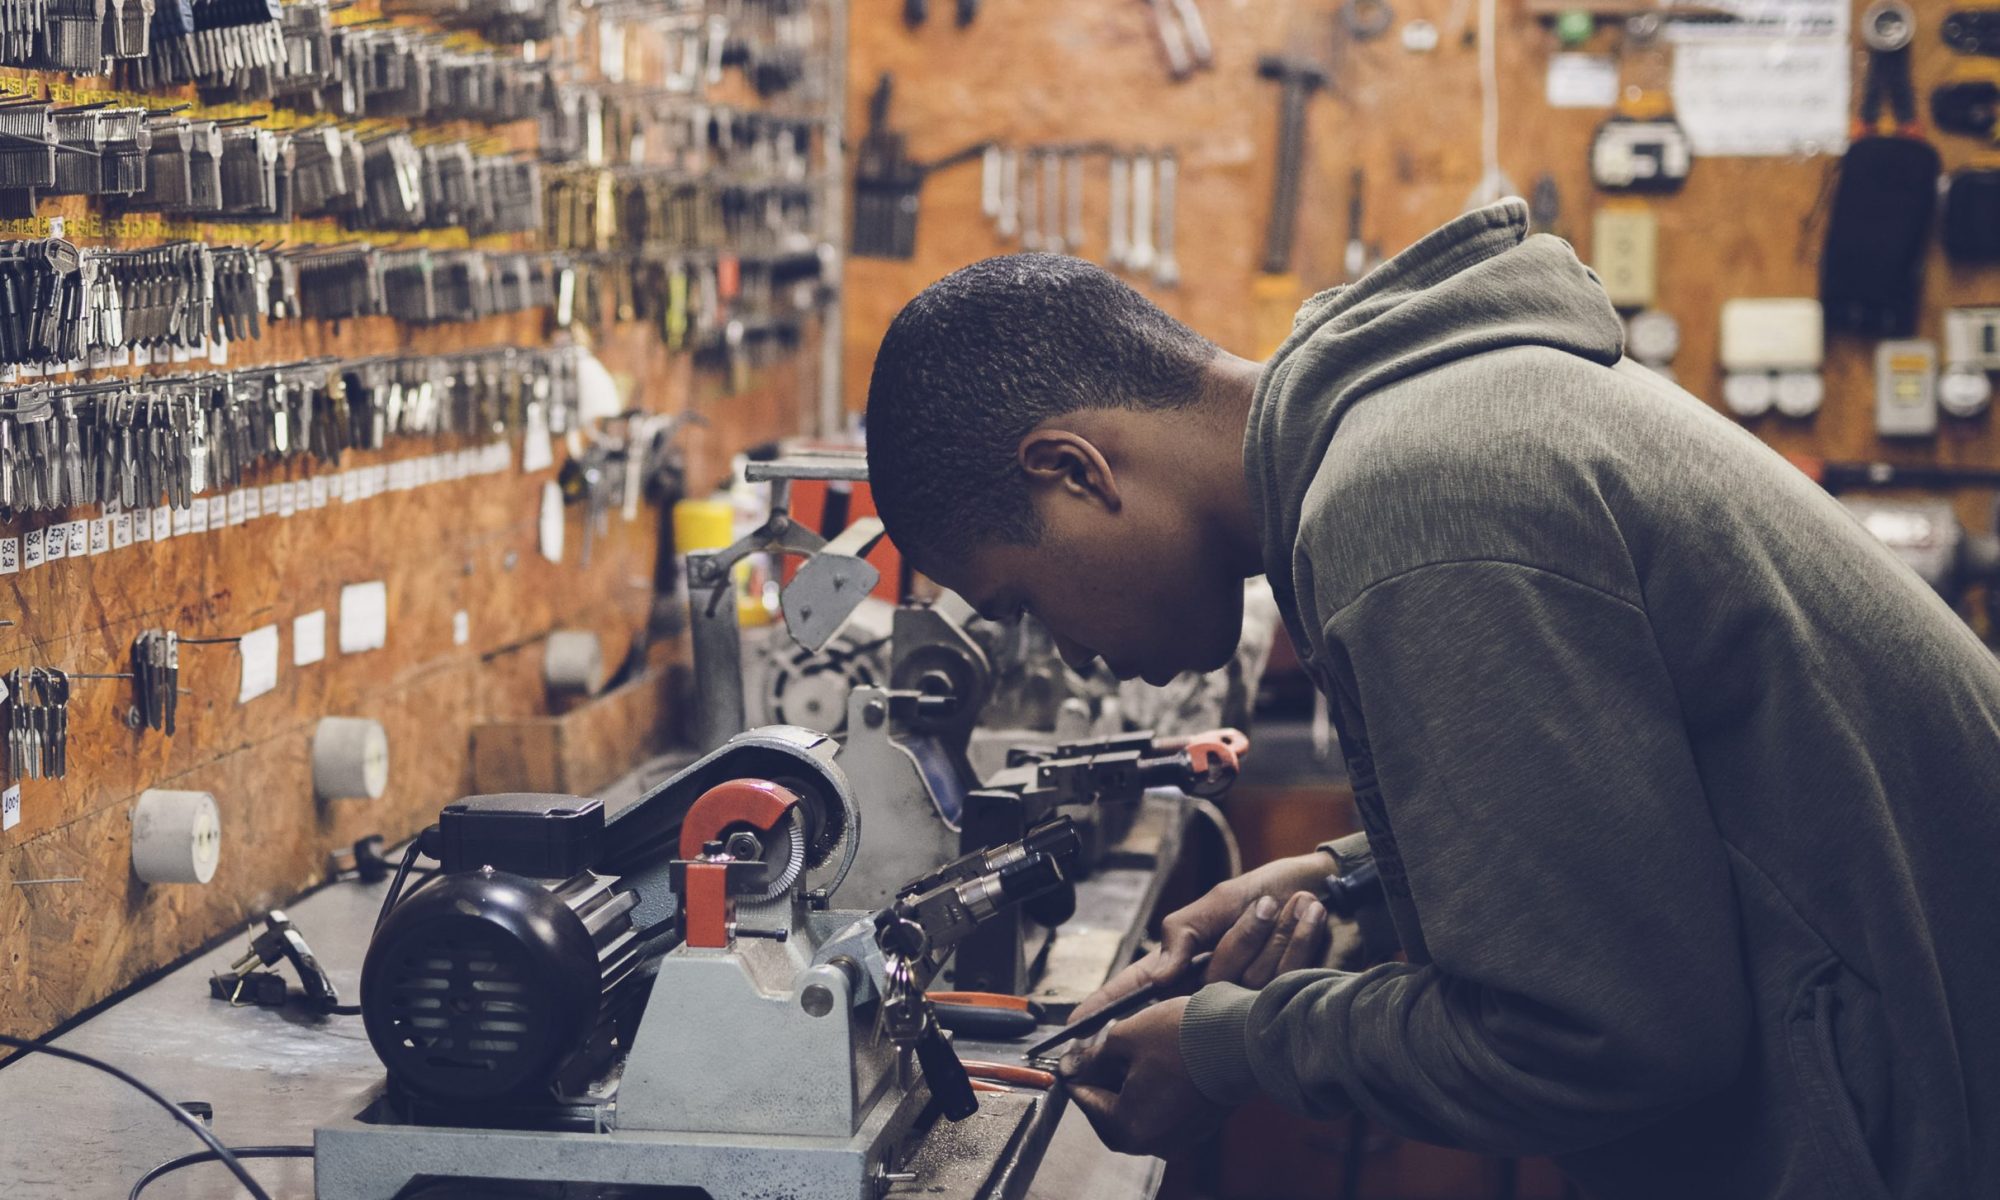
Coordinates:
x,y
1682,787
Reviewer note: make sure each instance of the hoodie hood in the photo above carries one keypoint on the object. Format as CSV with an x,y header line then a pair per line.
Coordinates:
x,y
1473,286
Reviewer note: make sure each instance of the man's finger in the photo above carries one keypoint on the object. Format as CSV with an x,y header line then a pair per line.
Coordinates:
x,y
1100,1105
1308,940
1265,967
1097,1060
1240,946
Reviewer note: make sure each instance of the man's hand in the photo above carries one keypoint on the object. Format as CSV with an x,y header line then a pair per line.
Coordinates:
x,y
1253,941
1131,1083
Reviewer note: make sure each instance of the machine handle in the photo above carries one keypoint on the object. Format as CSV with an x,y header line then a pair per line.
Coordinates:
x,y
949,1083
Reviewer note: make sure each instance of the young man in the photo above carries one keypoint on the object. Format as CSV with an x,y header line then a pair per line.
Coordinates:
x,y
1682,788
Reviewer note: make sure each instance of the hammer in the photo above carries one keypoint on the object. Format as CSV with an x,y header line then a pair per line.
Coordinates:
x,y
1299,79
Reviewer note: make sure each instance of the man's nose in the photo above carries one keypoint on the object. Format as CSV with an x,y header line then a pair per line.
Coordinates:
x,y
1075,656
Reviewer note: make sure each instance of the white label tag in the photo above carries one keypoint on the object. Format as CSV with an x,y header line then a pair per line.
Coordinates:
x,y
218,351
269,501
309,638
253,503
1582,81
10,808
287,501
237,508
10,555
79,539
121,531
100,536
142,356
461,627
162,524
536,451
56,545
33,551
198,515
552,522
319,491
364,616
259,648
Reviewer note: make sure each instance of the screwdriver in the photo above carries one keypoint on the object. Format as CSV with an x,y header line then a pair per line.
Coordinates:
x,y
1125,1006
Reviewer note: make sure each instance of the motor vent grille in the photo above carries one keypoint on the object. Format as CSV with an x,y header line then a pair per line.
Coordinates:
x,y
464,1008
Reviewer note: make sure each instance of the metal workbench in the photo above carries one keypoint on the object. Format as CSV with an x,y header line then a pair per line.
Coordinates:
x,y
272,1075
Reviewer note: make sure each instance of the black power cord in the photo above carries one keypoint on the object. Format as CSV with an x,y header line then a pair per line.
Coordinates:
x,y
207,1156
218,1151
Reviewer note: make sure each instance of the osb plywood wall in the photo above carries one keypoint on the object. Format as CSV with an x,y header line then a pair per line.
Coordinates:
x,y
76,924
1059,71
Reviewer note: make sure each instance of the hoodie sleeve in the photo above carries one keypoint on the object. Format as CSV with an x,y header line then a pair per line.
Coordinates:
x,y
1573,893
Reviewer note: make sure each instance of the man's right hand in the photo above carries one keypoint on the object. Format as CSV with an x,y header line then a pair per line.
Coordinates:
x,y
1259,925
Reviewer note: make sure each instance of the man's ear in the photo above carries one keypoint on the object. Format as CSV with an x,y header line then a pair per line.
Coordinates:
x,y
1056,458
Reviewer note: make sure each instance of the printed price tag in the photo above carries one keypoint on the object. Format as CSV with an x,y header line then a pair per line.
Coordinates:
x,y
32,550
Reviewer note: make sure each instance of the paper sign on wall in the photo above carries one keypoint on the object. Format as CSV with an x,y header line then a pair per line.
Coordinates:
x,y
259,649
364,617
309,638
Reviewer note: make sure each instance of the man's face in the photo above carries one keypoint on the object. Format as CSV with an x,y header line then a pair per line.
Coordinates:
x,y
1135,588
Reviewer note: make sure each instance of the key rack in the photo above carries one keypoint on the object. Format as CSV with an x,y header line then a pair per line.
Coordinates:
x,y
290,310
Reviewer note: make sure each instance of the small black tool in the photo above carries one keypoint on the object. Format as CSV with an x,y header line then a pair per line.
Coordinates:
x,y
244,983
1121,1008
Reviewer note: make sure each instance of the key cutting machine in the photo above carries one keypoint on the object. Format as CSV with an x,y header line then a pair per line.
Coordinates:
x,y
663,997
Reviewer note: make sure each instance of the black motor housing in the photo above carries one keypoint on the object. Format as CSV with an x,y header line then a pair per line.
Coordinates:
x,y
489,988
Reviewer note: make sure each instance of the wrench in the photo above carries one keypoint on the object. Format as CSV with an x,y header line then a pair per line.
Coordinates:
x,y
1121,196
1141,256
1166,272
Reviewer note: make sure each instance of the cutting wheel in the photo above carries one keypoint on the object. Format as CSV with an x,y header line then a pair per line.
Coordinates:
x,y
784,857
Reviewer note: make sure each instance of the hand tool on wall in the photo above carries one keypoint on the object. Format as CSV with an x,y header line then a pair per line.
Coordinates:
x,y
1121,198
1276,294
1166,271
1140,257
1183,36
1360,256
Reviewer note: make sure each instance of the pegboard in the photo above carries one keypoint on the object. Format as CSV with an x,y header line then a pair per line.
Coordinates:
x,y
449,524
1043,71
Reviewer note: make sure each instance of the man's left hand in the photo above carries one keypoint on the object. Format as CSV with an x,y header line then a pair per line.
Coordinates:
x,y
1131,1083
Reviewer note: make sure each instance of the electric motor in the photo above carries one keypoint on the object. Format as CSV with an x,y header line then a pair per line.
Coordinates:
x,y
490,987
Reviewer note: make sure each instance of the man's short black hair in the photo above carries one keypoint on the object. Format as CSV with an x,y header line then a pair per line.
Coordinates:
x,y
983,356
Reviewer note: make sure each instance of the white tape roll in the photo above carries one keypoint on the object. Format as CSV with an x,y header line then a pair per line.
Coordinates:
x,y
176,837
573,661
350,758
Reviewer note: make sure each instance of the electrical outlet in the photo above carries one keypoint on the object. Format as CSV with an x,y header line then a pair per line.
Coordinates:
x,y
1624,245
1906,389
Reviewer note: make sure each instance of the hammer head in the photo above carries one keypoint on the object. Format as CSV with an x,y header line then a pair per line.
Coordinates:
x,y
1302,72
